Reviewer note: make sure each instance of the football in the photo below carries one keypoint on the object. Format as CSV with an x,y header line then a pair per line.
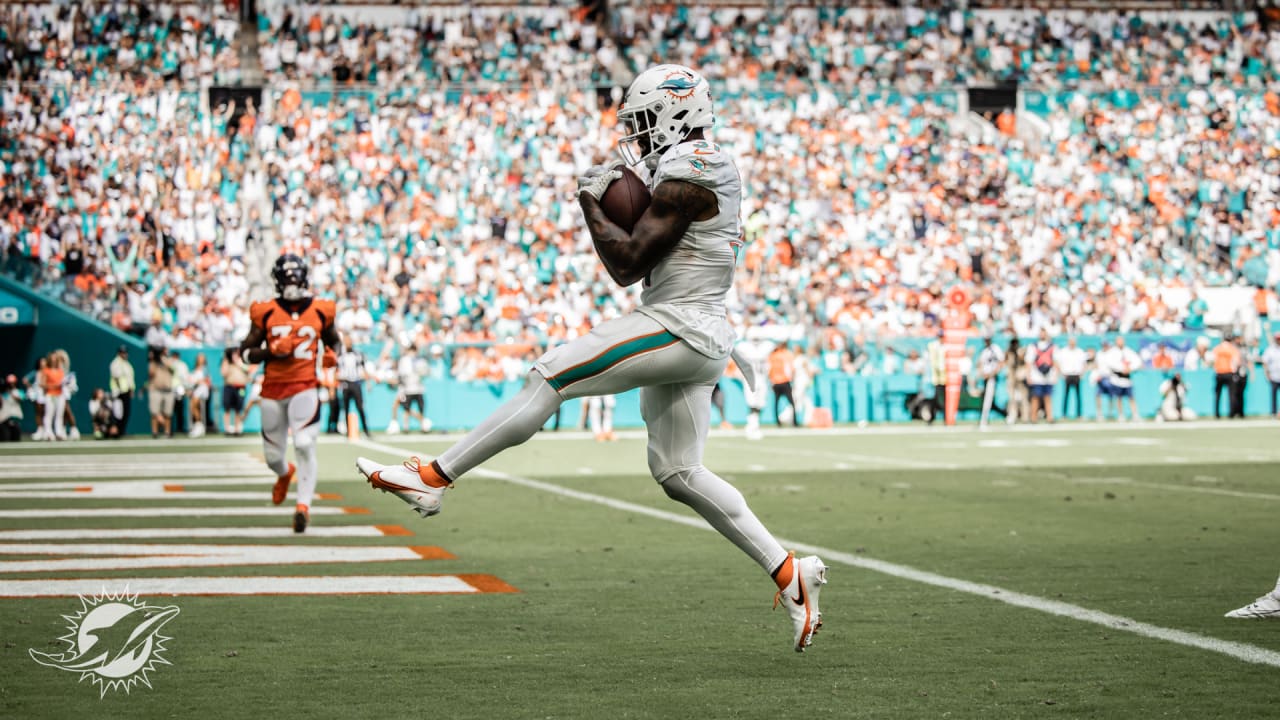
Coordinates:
x,y
625,200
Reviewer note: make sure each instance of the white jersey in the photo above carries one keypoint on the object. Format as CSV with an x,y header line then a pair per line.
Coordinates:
x,y
990,360
685,292
755,354
412,369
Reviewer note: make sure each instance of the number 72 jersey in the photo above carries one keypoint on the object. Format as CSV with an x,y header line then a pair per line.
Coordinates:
x,y
299,329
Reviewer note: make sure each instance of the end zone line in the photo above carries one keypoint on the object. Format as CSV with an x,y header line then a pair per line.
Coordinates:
x,y
1240,651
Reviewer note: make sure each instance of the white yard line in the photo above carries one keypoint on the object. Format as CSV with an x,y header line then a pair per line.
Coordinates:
x,y
172,512
258,585
882,460
113,556
1240,651
279,532
101,485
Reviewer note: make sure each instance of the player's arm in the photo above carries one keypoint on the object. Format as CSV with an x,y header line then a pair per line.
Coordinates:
x,y
253,348
629,257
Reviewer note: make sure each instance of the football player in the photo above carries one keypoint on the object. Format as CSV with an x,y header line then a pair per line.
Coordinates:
x,y
675,347
289,336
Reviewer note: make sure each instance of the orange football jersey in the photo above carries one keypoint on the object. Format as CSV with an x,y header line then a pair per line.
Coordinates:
x,y
302,330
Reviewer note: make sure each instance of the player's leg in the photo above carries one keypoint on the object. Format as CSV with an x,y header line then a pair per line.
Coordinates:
x,y
615,356
678,417
275,438
304,420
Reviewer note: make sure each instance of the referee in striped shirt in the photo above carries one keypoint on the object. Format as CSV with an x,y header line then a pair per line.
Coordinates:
x,y
351,376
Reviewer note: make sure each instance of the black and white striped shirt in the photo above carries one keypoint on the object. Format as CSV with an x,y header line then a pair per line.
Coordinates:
x,y
350,366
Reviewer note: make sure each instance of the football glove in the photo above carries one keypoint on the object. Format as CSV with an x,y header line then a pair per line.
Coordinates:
x,y
597,179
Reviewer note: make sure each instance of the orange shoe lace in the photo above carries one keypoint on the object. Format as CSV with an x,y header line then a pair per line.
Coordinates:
x,y
413,464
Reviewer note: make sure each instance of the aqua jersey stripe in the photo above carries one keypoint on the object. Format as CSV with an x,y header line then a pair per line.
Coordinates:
x,y
611,357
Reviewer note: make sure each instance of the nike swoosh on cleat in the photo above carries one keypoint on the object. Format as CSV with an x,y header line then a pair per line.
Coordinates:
x,y
799,600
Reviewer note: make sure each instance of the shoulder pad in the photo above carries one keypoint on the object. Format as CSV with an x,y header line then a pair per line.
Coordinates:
x,y
694,162
258,311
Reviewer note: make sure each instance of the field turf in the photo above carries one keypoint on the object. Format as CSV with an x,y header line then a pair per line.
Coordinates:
x,y
1018,573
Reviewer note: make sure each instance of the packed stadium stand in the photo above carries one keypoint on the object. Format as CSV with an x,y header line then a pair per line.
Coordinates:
x,y
1081,171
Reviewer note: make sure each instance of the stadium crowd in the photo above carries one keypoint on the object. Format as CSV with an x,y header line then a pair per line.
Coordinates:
x,y
446,216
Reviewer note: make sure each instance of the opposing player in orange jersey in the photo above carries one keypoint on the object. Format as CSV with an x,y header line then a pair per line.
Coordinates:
x,y
290,335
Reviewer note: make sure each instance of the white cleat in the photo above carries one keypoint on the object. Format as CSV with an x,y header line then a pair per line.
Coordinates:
x,y
1267,606
801,598
405,482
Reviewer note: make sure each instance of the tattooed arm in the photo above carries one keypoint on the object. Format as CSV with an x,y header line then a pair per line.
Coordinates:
x,y
628,258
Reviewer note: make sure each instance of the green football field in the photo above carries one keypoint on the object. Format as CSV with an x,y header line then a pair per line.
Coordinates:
x,y
1035,572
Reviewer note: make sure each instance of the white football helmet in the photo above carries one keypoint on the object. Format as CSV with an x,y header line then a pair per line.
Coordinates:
x,y
662,106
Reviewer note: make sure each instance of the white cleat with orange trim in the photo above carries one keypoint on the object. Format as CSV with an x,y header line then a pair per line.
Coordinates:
x,y
800,596
411,481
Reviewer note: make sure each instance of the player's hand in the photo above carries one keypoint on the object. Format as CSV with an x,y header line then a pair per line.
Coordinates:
x,y
596,179
280,347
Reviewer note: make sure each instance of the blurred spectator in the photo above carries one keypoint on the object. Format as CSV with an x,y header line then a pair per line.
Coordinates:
x,y
55,398
1173,400
123,385
1227,360
197,385
446,215
781,374
1271,368
1072,362
1018,401
805,368
1041,376
181,390
107,414
70,386
235,377
160,395
1121,362
990,363
1198,357
937,358
10,409
411,372
33,385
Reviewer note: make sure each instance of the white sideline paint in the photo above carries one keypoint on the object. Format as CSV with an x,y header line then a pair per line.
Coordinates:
x,y
281,532
137,556
99,492
1240,651
165,512
252,585
139,470
39,462
106,485
854,457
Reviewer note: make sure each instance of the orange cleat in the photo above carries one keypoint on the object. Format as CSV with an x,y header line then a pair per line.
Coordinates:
x,y
281,488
